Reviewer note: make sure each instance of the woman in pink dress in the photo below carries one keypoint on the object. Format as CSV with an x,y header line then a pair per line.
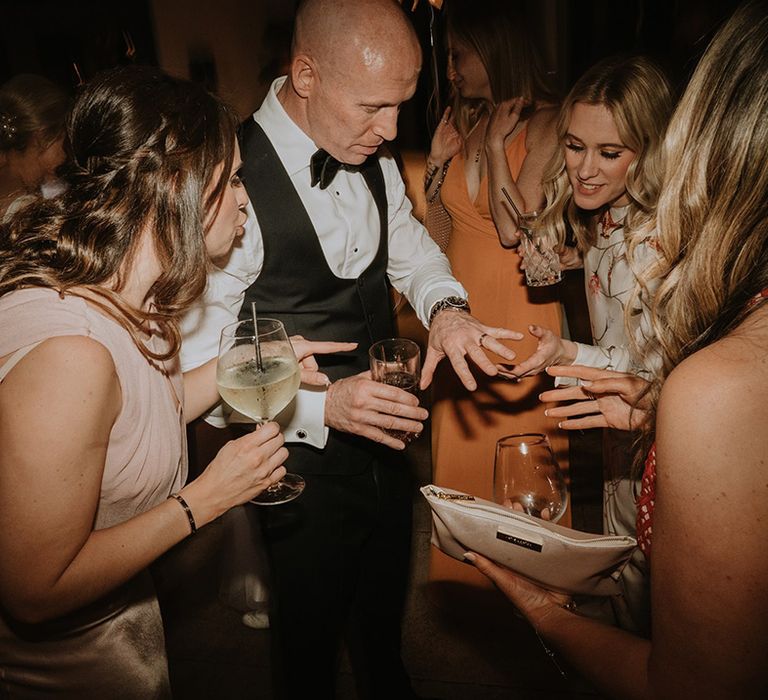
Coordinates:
x,y
92,402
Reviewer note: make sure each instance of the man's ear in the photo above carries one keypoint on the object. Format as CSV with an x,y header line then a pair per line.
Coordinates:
x,y
303,74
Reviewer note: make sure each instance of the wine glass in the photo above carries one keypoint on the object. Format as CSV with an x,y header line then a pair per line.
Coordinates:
x,y
258,375
397,362
527,478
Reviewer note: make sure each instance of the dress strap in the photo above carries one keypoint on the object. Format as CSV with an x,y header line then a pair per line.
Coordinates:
x,y
760,296
15,358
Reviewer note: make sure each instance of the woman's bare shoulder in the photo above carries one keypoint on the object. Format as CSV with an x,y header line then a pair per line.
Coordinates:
x,y
545,116
541,124
720,389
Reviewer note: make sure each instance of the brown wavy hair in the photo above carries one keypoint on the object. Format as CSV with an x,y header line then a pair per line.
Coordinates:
x,y
143,148
31,105
713,211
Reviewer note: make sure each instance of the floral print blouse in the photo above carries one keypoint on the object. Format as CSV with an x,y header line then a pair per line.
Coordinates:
x,y
610,280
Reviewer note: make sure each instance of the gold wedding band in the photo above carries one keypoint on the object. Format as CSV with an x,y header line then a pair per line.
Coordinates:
x,y
480,340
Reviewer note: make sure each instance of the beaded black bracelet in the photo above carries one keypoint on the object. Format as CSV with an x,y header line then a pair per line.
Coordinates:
x,y
428,182
187,510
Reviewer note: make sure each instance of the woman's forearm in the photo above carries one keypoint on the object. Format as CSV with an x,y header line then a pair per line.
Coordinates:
x,y
499,179
200,390
434,174
107,559
614,661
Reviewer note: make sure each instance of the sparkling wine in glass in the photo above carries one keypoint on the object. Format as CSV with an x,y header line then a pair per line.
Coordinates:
x,y
527,478
258,376
397,362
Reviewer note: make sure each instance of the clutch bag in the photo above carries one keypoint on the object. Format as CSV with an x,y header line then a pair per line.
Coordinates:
x,y
556,557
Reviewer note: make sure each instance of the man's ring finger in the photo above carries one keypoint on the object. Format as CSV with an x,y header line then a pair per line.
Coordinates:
x,y
481,339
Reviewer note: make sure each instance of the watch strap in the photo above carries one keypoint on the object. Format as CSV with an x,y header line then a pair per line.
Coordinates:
x,y
456,303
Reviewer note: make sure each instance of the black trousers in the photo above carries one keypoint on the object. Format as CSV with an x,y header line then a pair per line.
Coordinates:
x,y
340,556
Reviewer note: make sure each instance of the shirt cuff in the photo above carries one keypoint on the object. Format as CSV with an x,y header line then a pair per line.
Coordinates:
x,y
588,356
592,356
303,421
306,422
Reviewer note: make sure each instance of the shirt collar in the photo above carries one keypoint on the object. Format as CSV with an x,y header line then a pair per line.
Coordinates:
x,y
294,147
618,213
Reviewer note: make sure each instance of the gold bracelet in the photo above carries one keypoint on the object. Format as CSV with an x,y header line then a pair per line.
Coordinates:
x,y
187,510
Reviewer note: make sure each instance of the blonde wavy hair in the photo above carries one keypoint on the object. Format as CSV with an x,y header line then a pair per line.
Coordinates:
x,y
713,211
637,94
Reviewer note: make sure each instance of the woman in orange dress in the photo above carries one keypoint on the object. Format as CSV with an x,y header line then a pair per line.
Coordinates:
x,y
501,134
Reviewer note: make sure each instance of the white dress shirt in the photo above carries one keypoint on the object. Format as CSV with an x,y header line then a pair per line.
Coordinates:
x,y
347,223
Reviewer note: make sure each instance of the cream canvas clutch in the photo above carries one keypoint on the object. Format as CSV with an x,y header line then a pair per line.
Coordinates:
x,y
551,555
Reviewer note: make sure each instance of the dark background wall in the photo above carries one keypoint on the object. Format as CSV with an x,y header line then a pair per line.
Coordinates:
x,y
237,46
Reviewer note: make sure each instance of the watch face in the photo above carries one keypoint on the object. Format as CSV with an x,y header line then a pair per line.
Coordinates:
x,y
448,303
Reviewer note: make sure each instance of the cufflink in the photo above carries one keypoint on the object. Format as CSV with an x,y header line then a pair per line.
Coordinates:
x,y
301,434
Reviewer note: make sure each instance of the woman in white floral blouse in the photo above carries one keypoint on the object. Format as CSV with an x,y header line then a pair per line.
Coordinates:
x,y
603,184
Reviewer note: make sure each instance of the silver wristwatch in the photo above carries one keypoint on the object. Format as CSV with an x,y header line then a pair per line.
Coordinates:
x,y
458,303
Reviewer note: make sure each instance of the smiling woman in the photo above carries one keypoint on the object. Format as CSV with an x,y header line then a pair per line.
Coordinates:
x,y
596,160
604,182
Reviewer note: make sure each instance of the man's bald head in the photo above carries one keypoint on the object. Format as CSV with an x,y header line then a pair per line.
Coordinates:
x,y
342,34
354,62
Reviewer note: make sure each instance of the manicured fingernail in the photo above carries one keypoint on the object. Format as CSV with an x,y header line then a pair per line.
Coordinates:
x,y
559,425
471,558
546,413
584,382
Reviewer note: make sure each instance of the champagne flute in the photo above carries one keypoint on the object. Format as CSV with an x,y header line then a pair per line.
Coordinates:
x,y
397,362
527,478
258,375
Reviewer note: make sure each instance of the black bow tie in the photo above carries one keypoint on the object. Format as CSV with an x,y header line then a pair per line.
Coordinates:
x,y
323,168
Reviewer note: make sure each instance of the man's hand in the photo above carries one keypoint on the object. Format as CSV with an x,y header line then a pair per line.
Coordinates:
x,y
604,399
361,406
457,335
306,350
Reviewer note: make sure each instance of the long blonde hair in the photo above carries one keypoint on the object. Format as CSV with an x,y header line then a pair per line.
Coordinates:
x,y
713,210
637,94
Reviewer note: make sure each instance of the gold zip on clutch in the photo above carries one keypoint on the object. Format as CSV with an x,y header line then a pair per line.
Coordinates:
x,y
442,495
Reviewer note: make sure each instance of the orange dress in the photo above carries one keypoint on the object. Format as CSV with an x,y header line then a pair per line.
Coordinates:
x,y
466,425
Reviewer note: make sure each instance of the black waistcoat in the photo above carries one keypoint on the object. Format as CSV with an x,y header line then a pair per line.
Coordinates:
x,y
296,286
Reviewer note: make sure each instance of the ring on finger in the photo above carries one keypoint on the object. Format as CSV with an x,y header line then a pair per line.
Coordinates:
x,y
481,339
